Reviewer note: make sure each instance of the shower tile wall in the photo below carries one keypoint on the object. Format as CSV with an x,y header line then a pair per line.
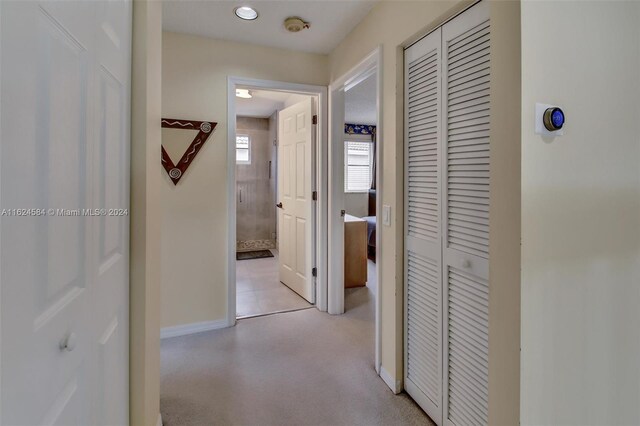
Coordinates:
x,y
256,185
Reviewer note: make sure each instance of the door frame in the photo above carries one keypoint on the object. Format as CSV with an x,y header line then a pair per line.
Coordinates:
x,y
320,183
372,63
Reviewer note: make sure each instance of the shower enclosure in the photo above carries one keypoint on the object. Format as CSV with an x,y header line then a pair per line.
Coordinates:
x,y
256,153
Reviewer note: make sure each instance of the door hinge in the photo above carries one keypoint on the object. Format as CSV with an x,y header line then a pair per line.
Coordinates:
x,y
314,120
314,272
314,195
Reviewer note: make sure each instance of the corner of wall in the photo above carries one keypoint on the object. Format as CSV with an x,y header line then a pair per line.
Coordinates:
x,y
505,218
144,336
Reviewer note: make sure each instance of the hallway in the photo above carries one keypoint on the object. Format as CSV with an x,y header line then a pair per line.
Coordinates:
x,y
297,368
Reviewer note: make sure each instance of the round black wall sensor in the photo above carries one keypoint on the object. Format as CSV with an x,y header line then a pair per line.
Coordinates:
x,y
553,119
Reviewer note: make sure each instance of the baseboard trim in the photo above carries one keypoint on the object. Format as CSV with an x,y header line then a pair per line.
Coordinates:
x,y
196,327
159,422
394,385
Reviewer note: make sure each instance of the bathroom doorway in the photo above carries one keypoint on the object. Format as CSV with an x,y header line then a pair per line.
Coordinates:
x,y
274,173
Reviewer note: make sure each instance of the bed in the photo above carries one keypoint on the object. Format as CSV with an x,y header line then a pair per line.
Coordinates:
x,y
371,225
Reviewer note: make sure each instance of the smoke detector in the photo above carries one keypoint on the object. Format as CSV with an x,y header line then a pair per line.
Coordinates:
x,y
294,24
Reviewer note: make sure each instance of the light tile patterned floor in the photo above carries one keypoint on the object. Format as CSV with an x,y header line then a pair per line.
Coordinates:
x,y
259,290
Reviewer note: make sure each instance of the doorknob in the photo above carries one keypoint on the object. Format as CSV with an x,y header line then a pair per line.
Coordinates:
x,y
279,205
69,342
342,213
466,263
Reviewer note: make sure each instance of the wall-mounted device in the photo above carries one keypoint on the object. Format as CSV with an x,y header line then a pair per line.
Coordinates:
x,y
553,118
550,120
386,215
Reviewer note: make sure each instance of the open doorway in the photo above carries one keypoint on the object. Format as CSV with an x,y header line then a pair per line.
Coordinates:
x,y
360,220
355,209
277,197
274,184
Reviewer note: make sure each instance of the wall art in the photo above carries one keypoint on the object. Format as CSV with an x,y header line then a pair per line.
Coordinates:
x,y
204,128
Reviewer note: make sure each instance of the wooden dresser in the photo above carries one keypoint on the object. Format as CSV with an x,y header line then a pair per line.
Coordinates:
x,y
355,251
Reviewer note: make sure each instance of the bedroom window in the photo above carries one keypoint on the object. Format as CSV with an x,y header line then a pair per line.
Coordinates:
x,y
357,170
243,149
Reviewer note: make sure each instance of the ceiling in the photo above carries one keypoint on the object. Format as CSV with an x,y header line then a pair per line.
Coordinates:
x,y
360,102
262,104
330,20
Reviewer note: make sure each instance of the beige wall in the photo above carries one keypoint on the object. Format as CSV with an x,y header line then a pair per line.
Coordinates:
x,y
194,213
504,216
581,215
144,359
394,24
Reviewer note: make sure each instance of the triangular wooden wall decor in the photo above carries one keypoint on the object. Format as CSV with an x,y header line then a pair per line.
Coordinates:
x,y
205,128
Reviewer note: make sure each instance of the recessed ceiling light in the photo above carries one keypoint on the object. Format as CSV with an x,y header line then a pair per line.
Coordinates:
x,y
243,93
245,12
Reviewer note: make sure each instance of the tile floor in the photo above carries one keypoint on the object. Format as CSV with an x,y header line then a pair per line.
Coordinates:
x,y
259,290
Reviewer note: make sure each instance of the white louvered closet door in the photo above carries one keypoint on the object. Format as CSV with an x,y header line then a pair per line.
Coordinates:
x,y
423,225
447,164
466,162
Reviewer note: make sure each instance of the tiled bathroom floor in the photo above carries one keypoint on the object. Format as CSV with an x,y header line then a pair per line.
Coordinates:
x,y
259,290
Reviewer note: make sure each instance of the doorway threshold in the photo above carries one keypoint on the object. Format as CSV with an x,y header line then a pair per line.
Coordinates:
x,y
284,311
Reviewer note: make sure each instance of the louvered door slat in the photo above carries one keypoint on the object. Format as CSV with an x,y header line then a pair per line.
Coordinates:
x,y
423,123
423,326
472,127
421,76
468,323
423,225
468,411
447,195
468,105
473,380
477,94
466,162
469,37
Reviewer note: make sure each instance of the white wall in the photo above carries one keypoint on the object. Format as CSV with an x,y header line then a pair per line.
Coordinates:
x,y
356,203
581,215
293,99
195,222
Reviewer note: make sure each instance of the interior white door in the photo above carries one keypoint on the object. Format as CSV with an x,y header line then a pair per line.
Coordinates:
x,y
336,204
423,247
466,168
64,179
295,182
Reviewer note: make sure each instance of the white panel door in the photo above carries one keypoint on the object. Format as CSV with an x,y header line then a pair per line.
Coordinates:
x,y
423,247
64,265
295,181
465,164
110,313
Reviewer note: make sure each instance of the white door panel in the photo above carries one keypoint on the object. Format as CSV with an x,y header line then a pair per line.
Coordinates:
x,y
466,166
65,145
423,246
336,204
111,232
295,177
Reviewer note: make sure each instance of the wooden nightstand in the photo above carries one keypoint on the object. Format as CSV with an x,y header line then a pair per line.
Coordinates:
x,y
355,251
